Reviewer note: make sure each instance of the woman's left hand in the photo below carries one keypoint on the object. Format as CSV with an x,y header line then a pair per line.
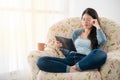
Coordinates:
x,y
95,23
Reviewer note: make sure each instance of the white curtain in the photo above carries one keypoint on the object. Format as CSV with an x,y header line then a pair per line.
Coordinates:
x,y
24,23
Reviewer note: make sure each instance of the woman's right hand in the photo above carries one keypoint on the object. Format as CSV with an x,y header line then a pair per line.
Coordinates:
x,y
58,44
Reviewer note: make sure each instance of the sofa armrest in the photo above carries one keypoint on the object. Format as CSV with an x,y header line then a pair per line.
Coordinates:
x,y
34,55
111,69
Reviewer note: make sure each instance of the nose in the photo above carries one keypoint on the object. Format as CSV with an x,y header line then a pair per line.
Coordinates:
x,y
86,21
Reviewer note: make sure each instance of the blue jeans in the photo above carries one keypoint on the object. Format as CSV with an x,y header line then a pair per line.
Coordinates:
x,y
95,59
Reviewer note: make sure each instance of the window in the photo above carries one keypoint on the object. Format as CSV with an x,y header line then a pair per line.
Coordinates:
x,y
24,23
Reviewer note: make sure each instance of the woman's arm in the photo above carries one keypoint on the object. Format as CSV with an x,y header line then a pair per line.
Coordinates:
x,y
100,34
101,37
76,33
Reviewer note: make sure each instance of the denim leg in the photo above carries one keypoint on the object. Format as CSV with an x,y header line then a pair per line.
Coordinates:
x,y
75,56
78,57
53,64
65,52
94,60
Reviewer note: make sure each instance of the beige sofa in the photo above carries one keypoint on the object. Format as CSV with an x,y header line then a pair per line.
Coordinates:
x,y
109,71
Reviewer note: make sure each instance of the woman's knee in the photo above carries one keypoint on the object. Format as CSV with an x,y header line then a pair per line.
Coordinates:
x,y
100,53
41,61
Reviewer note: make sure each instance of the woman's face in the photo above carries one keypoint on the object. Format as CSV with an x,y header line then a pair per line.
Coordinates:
x,y
86,21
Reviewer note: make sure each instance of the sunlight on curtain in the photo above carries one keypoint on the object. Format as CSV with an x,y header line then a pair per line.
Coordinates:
x,y
14,23
15,37
24,23
47,12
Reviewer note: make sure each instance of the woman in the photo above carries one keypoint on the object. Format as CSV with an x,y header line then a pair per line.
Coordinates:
x,y
88,42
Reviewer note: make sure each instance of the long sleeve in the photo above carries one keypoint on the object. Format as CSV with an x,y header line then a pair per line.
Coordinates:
x,y
76,33
101,37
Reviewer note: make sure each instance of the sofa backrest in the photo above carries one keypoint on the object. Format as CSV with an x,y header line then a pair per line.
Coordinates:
x,y
65,27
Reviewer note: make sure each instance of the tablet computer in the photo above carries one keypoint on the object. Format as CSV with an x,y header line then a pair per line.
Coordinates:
x,y
67,43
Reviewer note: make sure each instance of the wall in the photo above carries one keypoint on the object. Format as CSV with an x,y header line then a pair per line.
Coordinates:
x,y
105,8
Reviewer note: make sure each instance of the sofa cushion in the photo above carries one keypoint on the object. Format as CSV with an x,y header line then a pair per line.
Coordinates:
x,y
111,69
87,75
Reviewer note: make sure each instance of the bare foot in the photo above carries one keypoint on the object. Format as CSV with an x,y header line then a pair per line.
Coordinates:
x,y
73,69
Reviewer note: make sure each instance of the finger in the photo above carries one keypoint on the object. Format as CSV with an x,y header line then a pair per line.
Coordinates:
x,y
58,42
92,21
60,45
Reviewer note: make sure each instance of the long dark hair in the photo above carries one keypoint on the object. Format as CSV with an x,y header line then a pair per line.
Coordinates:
x,y
92,34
